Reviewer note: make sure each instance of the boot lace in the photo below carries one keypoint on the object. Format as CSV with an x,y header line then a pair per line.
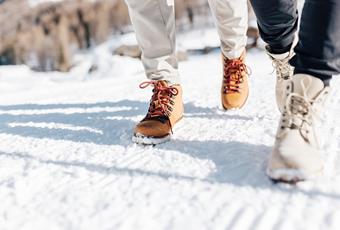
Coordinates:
x,y
283,68
300,112
162,99
234,72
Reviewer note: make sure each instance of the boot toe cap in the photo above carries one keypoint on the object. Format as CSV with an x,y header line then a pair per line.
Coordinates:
x,y
152,128
295,153
233,100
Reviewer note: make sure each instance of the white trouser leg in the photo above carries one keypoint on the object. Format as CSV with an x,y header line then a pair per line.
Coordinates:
x,y
231,17
154,24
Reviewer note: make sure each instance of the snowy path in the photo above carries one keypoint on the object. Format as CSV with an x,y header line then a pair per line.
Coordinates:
x,y
67,162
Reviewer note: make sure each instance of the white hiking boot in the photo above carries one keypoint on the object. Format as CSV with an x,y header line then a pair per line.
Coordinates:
x,y
284,73
297,155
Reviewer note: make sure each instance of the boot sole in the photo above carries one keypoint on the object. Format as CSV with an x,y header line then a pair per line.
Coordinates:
x,y
141,139
292,176
145,140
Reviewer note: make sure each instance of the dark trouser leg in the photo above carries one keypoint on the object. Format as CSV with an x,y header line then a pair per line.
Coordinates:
x,y
277,21
318,50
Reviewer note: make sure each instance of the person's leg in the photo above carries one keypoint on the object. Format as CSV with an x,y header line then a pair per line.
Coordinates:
x,y
277,22
318,50
231,18
297,154
154,24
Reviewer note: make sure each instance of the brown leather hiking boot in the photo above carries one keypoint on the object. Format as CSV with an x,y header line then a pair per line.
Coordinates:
x,y
165,110
234,91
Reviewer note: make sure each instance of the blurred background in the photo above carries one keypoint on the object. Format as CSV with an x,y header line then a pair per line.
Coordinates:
x,y
47,34
69,101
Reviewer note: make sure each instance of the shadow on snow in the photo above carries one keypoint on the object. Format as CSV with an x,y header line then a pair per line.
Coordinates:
x,y
237,163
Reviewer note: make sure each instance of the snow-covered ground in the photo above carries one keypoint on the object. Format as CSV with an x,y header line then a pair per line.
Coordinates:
x,y
67,161
37,2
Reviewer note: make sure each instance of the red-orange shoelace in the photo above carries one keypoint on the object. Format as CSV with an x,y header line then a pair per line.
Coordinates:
x,y
161,102
233,75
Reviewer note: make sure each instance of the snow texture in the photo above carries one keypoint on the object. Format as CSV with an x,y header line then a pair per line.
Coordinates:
x,y
67,160
34,3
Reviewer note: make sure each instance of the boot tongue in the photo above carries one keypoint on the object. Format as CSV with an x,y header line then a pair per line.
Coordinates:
x,y
163,83
307,85
279,56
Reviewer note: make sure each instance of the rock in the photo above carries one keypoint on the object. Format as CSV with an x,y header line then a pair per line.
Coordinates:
x,y
128,50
